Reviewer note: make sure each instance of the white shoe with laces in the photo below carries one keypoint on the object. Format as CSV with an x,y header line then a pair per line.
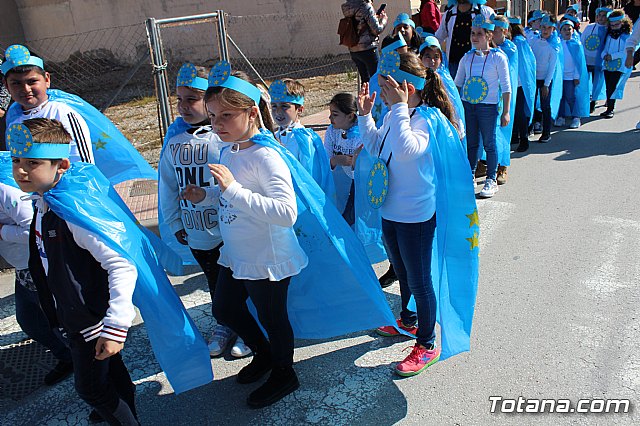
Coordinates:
x,y
239,349
220,340
575,123
489,189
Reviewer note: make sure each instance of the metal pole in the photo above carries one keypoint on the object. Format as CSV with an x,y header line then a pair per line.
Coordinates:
x,y
223,48
159,73
233,43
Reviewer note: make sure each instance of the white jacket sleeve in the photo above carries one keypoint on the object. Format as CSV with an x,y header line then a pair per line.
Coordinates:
x,y
278,205
407,143
169,191
122,276
81,147
551,66
329,141
502,66
21,213
634,39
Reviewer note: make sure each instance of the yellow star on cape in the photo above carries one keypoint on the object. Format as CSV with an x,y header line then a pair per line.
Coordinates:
x,y
473,240
100,144
473,218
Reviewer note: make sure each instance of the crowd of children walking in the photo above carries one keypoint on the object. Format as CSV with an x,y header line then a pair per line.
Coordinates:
x,y
265,206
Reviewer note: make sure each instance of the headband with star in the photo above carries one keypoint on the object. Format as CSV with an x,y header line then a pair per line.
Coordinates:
x,y
220,76
21,145
18,55
390,66
278,93
188,77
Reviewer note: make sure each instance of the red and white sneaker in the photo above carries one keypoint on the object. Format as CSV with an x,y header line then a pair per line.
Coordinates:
x,y
389,330
418,360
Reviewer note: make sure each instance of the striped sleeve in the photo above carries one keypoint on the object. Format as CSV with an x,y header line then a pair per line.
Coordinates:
x,y
81,135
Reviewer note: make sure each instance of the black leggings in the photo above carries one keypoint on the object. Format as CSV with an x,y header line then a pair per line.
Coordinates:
x,y
208,261
611,79
270,300
520,120
366,62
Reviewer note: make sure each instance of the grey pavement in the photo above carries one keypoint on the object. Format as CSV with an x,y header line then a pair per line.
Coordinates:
x,y
556,315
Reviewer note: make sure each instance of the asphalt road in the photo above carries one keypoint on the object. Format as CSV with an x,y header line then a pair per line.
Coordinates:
x,y
556,317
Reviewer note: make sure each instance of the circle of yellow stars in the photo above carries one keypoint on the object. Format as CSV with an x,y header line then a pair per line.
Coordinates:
x,y
19,139
278,90
592,42
17,54
219,73
186,75
379,174
613,65
476,84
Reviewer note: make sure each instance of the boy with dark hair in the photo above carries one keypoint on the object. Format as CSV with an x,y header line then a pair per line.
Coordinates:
x,y
84,286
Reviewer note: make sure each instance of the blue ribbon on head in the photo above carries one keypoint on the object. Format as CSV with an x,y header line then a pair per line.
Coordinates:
x,y
220,76
390,66
278,92
604,9
546,21
497,23
430,41
570,18
480,22
17,55
404,18
575,7
536,15
395,45
615,18
565,22
188,77
20,144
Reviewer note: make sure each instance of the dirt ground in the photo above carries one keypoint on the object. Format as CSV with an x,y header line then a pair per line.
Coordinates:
x,y
138,119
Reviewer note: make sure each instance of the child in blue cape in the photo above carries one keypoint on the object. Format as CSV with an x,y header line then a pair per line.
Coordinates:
x,y
616,73
190,145
287,106
592,39
632,44
484,78
404,25
525,99
407,148
575,92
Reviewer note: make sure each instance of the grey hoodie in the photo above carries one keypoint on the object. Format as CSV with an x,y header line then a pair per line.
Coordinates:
x,y
369,26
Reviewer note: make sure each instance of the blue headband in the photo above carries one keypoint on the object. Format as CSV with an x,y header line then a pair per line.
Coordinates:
x,y
570,18
546,21
574,7
480,22
430,41
278,93
615,18
395,45
603,9
565,22
422,32
20,144
18,55
390,65
515,20
404,18
220,76
188,77
536,15
501,24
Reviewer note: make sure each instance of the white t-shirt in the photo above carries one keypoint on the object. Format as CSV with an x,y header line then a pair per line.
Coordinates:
x,y
493,67
571,72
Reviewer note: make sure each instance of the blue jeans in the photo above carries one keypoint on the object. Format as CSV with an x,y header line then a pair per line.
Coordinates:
x,y
34,323
453,69
482,119
567,106
409,248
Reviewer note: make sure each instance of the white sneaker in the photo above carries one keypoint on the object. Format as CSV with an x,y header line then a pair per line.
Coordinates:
x,y
537,128
489,189
220,340
239,349
575,123
638,126
559,122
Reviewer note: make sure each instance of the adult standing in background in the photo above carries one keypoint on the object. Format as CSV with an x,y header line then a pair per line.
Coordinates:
x,y
430,16
370,26
455,29
632,10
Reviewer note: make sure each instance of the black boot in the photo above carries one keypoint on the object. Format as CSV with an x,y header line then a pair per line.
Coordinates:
x,y
281,382
524,146
59,373
388,277
260,365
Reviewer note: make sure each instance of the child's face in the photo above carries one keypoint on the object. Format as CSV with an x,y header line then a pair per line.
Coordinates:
x,y
28,89
231,124
498,35
405,30
566,31
479,38
571,12
546,31
431,58
38,175
615,25
191,105
285,113
340,120
601,18
535,24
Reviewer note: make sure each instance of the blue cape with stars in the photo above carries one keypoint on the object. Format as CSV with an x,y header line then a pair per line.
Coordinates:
x,y
526,74
114,155
581,107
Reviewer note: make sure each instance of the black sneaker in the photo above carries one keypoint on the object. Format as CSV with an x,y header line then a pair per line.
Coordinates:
x,y
281,382
258,367
524,146
95,417
607,114
544,138
388,277
592,106
60,372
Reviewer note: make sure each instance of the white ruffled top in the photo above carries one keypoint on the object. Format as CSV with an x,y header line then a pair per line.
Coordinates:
x,y
257,214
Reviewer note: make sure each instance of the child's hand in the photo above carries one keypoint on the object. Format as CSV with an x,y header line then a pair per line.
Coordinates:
x,y
355,156
544,92
106,348
365,101
193,193
341,160
576,82
628,62
505,119
181,236
607,57
394,92
223,175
